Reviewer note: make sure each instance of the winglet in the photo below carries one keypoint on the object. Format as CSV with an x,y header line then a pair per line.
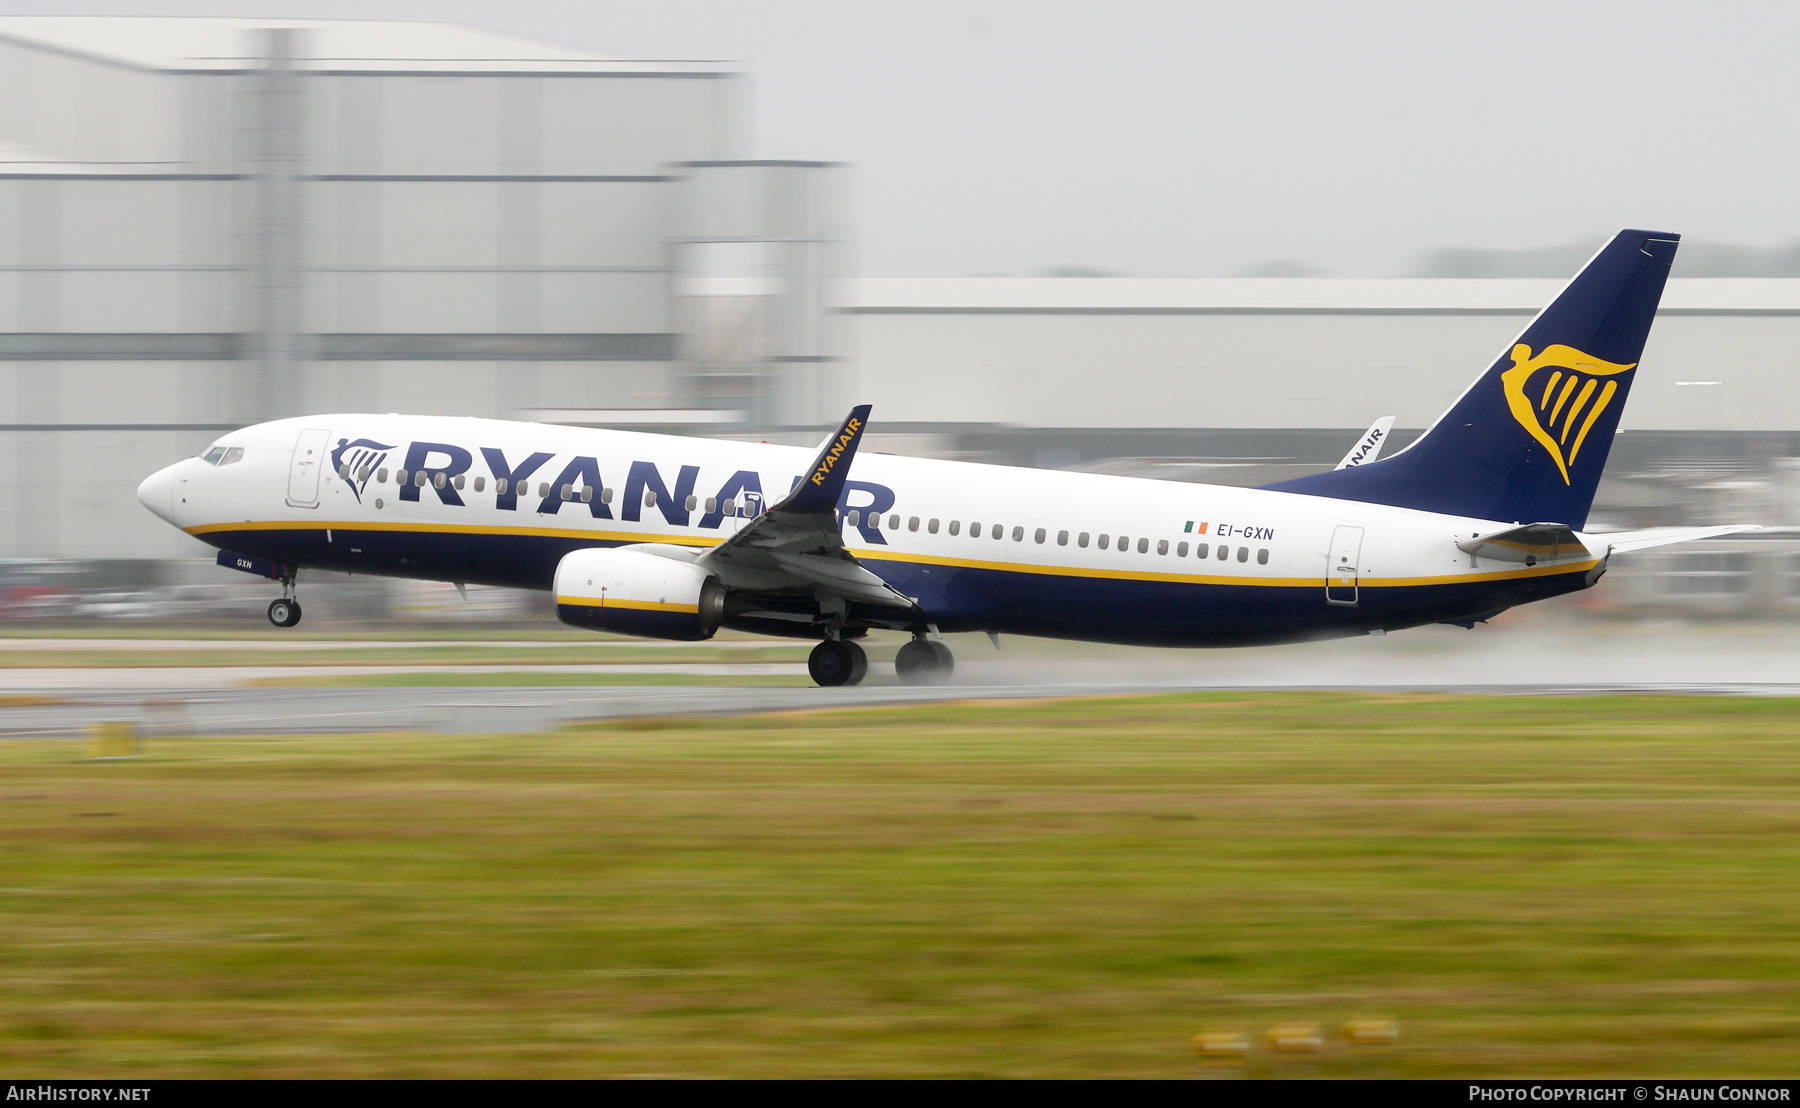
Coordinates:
x,y
823,484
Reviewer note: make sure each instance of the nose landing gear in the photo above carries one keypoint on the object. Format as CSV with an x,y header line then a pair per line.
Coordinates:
x,y
286,611
924,661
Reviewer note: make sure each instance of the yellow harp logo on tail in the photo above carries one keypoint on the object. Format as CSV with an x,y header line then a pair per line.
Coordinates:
x,y
1565,403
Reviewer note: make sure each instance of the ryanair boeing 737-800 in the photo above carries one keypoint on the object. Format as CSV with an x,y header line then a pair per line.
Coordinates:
x,y
674,537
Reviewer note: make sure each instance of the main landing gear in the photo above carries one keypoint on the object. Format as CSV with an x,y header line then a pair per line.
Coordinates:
x,y
837,662
924,661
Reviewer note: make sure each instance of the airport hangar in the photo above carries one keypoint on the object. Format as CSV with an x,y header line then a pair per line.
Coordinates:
x,y
210,222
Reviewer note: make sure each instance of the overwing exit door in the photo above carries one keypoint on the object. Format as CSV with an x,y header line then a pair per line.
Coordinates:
x,y
1341,574
303,471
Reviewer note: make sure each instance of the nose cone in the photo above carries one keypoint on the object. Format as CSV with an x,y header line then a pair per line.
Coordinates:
x,y
157,493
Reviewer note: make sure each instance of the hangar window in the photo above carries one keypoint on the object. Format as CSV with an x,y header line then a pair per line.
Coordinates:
x,y
1039,537
500,485
1162,546
955,526
692,502
912,524
1102,542
1081,540
587,494
1224,552
649,498
381,477
893,523
855,517
1181,550
480,483
932,527
606,496
1262,557
211,457
1243,553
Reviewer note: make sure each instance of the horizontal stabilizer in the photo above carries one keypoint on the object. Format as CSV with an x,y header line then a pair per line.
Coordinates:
x,y
1619,542
1534,543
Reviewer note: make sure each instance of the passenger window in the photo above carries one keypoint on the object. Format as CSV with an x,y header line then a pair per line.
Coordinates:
x,y
1124,544
606,496
439,481
855,517
932,527
459,482
233,454
955,526
1162,546
1201,549
1081,540
1262,557
500,486
1062,538
893,523
381,477
587,494
1102,542
568,492
1181,550
974,530
480,483
874,521
912,524
1243,553
692,502
1039,536
418,479
712,504
1143,546
400,477
344,472
211,457
999,530
727,506
649,498
1224,552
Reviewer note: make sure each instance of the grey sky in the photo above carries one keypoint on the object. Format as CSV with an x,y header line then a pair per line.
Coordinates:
x,y
1197,139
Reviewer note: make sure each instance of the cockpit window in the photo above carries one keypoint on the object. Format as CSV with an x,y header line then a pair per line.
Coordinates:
x,y
234,454
211,457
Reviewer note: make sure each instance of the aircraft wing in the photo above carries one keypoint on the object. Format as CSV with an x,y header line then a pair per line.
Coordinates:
x,y
1368,448
1532,543
799,542
1619,542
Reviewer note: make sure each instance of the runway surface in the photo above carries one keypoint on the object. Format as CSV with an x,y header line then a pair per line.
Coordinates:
x,y
219,699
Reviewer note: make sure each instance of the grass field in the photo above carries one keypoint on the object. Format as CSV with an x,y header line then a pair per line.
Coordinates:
x,y
1541,886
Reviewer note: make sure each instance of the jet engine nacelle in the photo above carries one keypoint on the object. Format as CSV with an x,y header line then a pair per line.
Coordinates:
x,y
633,592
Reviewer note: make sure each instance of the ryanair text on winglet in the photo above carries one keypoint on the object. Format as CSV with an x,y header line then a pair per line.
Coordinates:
x,y
831,456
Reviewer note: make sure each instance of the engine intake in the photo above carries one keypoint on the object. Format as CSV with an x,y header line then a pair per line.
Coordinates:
x,y
634,592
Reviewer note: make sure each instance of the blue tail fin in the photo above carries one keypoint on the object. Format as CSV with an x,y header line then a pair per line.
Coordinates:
x,y
1528,440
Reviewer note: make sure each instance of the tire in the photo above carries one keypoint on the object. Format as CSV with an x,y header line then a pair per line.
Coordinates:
x,y
284,612
946,661
859,663
831,664
916,663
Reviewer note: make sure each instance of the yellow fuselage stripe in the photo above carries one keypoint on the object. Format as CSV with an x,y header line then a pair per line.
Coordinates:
x,y
879,555
639,605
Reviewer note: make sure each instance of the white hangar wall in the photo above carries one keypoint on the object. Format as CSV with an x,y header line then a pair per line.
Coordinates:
x,y
1279,353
